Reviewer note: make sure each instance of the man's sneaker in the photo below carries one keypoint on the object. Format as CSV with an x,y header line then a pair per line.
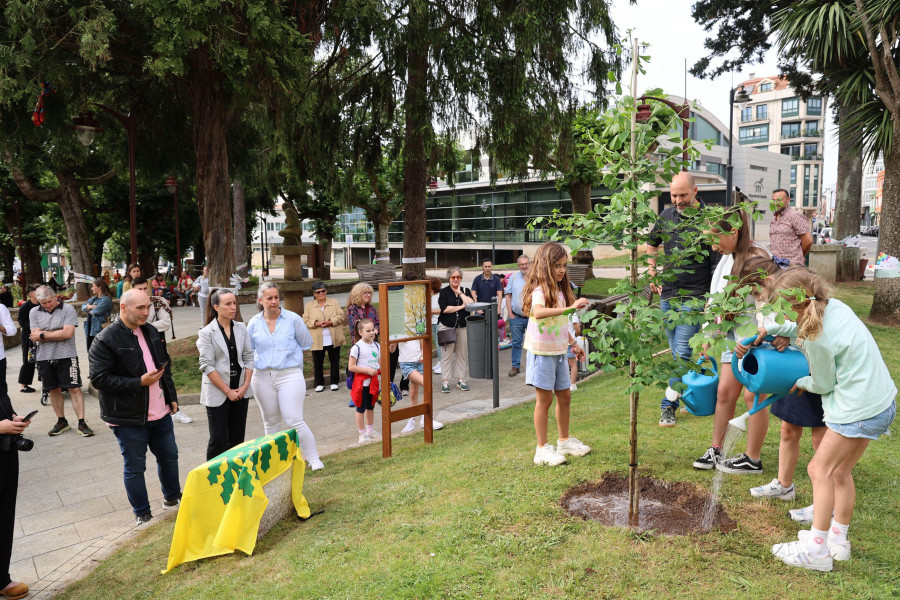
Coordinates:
x,y
709,459
320,388
462,385
547,455
182,418
410,426
435,425
84,430
740,465
334,387
802,515
839,550
572,447
774,490
797,554
142,519
171,503
61,426
445,387
667,418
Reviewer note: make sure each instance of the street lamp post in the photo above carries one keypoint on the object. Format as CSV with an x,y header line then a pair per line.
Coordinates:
x,y
86,126
172,186
741,98
484,208
682,110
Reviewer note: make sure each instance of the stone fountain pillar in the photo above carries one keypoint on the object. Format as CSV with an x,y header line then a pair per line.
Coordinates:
x,y
293,286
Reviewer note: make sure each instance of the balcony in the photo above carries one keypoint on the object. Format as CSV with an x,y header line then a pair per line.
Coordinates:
x,y
791,136
794,112
815,133
807,157
754,139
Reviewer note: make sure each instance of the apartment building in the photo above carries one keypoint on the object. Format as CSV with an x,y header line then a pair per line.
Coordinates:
x,y
778,120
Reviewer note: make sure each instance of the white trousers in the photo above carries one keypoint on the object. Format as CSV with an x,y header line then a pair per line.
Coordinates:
x,y
280,394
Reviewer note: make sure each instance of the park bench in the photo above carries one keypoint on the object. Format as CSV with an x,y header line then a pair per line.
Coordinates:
x,y
606,306
375,274
577,274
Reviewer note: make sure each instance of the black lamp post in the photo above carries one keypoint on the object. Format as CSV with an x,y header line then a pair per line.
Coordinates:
x,y
172,186
86,127
682,110
484,207
741,98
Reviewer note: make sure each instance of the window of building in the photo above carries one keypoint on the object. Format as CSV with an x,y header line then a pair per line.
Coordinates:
x,y
467,174
793,150
790,131
811,151
758,168
806,185
793,174
746,114
761,111
717,168
701,130
790,107
765,87
813,192
812,129
813,106
753,135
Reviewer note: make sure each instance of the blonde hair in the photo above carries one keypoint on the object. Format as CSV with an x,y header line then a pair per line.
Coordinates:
x,y
541,275
807,293
356,294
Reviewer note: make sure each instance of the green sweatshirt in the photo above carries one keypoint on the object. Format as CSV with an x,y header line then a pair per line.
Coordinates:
x,y
845,366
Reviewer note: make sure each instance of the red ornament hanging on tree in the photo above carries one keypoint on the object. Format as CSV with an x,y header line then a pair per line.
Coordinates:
x,y
37,116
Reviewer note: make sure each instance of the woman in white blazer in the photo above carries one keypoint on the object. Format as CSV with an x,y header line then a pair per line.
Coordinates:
x,y
226,360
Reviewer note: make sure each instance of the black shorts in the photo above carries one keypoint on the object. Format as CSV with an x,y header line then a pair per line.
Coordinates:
x,y
803,409
62,373
368,402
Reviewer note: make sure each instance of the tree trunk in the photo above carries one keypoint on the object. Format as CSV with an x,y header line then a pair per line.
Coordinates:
x,y
241,255
382,251
324,272
848,196
149,263
886,303
210,125
580,193
76,231
29,255
418,119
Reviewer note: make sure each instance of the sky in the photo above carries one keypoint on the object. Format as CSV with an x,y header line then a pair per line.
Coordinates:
x,y
674,37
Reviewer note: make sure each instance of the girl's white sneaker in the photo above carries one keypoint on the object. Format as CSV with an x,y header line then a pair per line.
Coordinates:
x,y
547,455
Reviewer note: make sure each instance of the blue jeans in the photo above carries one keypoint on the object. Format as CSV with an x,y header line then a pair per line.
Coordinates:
x,y
134,441
517,328
679,338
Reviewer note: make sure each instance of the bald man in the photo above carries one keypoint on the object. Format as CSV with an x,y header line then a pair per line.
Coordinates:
x,y
130,368
686,291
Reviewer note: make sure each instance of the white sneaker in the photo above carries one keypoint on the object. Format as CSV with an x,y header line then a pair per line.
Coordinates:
x,y
410,426
838,550
436,368
573,388
364,439
316,465
334,387
547,455
802,515
373,435
435,425
797,554
774,490
572,447
320,388
182,418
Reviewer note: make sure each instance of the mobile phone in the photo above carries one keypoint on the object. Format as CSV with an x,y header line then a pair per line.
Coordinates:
x,y
162,366
30,415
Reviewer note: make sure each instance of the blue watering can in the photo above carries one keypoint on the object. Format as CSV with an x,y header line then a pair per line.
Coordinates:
x,y
765,370
702,389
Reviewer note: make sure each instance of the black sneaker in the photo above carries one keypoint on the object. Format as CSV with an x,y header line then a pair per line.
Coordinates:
x,y
84,430
709,459
145,518
667,417
27,390
61,425
740,465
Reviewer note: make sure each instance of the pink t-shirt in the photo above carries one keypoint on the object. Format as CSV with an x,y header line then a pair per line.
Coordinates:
x,y
548,336
784,235
157,408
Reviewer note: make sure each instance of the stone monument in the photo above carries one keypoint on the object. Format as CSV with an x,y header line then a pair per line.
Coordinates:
x,y
293,286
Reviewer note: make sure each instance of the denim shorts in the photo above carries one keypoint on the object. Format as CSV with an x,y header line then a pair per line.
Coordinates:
x,y
547,372
870,428
570,353
408,367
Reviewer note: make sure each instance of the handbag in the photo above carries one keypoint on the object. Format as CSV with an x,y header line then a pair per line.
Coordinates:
x,y
446,336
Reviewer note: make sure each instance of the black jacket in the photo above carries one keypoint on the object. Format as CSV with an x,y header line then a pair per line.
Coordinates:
x,y
117,364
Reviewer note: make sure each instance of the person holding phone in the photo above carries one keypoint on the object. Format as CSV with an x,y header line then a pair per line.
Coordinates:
x,y
130,368
11,424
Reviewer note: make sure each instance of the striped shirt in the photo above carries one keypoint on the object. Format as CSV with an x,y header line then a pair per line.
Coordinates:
x,y
45,320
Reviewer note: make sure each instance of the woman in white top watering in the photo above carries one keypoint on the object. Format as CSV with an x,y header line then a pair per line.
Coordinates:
x,y
279,338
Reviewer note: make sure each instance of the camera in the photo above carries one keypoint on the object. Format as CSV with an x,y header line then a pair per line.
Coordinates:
x,y
11,443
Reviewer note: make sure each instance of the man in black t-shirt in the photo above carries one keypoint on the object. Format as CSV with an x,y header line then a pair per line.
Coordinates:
x,y
692,281
488,285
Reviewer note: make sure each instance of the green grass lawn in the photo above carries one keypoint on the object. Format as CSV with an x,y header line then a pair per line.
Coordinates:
x,y
472,517
616,261
598,287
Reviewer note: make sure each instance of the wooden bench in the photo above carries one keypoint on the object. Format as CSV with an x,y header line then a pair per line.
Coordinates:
x,y
607,305
375,274
577,273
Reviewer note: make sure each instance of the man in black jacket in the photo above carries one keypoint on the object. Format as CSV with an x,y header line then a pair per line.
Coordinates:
x,y
130,368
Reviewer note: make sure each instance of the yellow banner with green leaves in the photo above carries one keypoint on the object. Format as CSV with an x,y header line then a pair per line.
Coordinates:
x,y
223,499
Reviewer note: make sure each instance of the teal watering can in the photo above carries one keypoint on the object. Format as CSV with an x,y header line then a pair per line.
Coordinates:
x,y
702,389
765,370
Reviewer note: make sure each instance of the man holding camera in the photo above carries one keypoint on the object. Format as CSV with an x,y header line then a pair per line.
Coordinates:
x,y
11,441
130,368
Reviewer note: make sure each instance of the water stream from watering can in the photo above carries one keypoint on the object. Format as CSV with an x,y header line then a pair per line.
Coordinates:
x,y
709,511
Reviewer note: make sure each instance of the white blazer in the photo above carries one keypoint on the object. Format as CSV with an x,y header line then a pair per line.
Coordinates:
x,y
214,357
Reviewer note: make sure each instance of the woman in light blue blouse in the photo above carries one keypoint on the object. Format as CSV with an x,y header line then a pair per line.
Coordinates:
x,y
98,309
279,337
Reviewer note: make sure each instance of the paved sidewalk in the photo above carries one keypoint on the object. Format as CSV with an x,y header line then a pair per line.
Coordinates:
x,y
72,510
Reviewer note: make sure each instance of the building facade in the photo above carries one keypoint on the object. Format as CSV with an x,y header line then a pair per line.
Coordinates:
x,y
870,208
778,120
